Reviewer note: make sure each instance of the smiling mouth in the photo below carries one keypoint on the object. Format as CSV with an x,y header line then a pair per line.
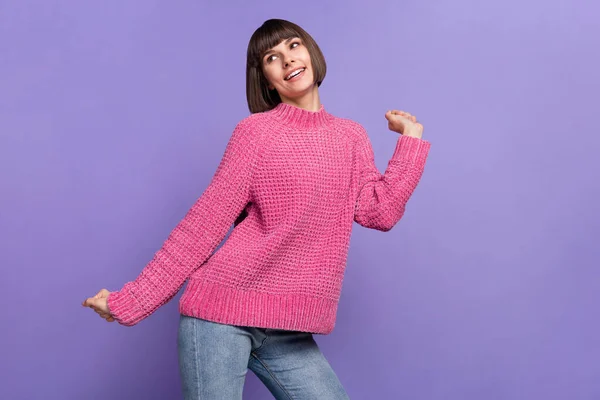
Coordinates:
x,y
294,74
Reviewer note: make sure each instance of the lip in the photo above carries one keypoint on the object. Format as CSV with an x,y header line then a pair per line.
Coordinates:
x,y
292,71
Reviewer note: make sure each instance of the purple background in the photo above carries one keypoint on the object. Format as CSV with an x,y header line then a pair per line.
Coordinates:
x,y
113,119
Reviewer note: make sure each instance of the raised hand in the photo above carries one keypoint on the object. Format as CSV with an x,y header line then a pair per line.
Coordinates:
x,y
99,304
404,123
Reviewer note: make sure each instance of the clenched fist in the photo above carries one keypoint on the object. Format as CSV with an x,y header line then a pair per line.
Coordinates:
x,y
99,304
404,123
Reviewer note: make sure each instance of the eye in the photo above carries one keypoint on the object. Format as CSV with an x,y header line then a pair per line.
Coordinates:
x,y
293,45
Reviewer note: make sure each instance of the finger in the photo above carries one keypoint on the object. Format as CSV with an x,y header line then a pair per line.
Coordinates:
x,y
102,293
402,114
405,114
101,310
89,302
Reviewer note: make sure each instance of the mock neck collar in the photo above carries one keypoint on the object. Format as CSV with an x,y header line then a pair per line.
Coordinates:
x,y
296,117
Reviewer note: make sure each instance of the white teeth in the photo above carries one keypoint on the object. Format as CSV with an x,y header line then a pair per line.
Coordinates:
x,y
287,78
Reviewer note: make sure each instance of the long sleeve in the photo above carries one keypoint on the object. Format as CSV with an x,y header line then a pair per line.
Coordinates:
x,y
196,236
381,198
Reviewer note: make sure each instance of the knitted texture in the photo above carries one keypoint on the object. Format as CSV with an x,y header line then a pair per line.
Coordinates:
x,y
302,177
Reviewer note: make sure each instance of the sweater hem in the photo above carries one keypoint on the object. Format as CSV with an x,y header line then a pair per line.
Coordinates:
x,y
222,304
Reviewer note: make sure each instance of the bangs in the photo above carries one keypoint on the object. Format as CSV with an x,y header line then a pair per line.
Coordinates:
x,y
267,37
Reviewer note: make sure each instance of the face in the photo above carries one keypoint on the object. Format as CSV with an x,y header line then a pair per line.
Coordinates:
x,y
288,69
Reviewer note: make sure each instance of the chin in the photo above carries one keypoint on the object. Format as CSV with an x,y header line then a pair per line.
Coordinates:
x,y
299,92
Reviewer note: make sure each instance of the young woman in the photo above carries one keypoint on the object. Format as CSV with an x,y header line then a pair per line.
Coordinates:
x,y
292,180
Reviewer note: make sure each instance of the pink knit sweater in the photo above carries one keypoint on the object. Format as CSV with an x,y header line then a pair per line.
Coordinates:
x,y
303,177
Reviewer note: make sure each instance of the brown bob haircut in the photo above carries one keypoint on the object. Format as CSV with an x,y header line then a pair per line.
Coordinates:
x,y
270,34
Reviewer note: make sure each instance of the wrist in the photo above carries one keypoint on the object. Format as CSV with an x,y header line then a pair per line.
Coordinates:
x,y
412,134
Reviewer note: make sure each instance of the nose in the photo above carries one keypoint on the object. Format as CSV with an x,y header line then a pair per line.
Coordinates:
x,y
287,62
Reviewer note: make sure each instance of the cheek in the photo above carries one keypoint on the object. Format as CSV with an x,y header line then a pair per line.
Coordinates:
x,y
268,75
307,59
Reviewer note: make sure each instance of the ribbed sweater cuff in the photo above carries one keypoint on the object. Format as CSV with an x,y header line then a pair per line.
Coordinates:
x,y
124,308
412,149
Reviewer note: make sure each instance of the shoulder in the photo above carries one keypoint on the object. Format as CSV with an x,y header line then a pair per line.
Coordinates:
x,y
254,123
352,127
250,121
248,128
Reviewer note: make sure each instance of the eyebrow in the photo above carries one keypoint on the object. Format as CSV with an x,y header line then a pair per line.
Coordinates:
x,y
286,42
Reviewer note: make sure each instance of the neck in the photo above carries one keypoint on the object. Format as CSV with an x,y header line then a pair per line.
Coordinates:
x,y
294,117
309,101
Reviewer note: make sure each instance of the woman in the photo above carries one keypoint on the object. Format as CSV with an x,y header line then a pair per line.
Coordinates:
x,y
293,179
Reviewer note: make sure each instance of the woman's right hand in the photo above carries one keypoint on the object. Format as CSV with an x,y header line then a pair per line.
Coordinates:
x,y
99,304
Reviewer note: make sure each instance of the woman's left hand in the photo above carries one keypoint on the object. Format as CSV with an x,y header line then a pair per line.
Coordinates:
x,y
404,123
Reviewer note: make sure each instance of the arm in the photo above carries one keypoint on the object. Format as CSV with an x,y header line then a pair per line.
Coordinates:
x,y
195,237
382,198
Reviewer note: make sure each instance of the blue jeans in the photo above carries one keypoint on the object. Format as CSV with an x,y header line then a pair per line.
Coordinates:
x,y
214,359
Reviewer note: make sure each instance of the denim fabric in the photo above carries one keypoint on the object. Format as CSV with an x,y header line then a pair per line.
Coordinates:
x,y
214,359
